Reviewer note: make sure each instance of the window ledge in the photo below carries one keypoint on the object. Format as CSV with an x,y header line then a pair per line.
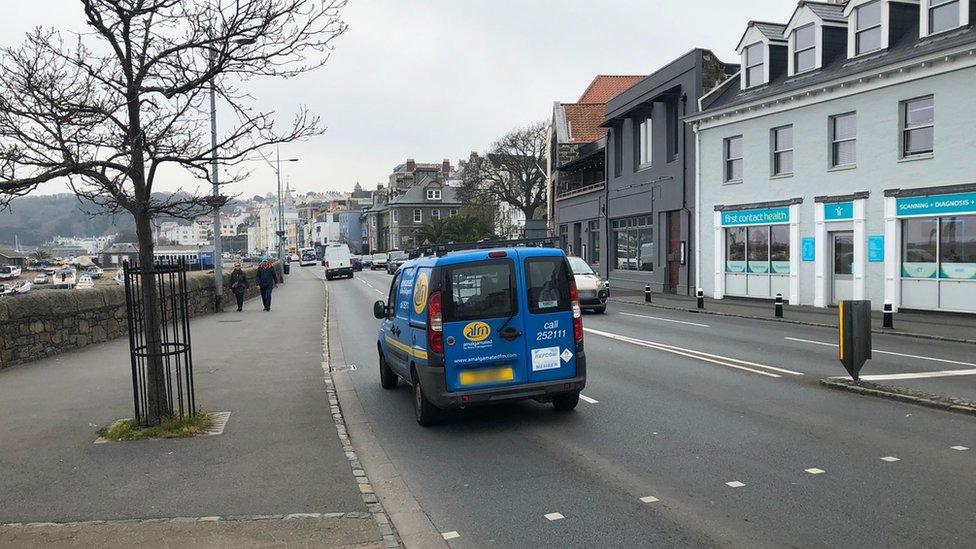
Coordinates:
x,y
732,182
914,157
842,168
781,176
643,167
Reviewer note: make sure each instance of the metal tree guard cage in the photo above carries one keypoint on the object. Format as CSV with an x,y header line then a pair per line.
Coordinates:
x,y
162,371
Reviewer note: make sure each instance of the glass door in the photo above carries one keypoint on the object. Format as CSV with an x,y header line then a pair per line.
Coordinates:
x,y
842,269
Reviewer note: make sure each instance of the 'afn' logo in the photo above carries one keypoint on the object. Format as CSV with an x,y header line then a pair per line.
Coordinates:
x,y
476,331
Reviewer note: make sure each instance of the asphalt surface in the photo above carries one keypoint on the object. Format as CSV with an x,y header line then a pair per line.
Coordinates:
x,y
279,453
674,425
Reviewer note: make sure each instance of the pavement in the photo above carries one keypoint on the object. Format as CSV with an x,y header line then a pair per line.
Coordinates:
x,y
694,430
926,324
279,455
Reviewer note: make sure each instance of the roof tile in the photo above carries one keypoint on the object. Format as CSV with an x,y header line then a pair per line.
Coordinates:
x,y
605,87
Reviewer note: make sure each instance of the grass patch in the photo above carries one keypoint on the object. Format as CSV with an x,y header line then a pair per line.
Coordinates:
x,y
170,427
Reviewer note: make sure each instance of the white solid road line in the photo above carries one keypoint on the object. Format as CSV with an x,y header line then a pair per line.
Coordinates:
x,y
700,355
585,398
890,459
667,320
933,359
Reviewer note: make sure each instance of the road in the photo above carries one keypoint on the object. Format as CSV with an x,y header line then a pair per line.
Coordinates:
x,y
695,430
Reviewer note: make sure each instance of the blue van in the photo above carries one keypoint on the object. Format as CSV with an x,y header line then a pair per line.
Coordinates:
x,y
481,326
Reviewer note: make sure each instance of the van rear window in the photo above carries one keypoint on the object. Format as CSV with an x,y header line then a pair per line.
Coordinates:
x,y
480,290
548,281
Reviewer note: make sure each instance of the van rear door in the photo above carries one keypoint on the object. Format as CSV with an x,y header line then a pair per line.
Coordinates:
x,y
549,338
483,325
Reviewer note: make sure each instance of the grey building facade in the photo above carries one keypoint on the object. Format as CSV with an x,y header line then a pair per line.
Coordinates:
x,y
839,164
415,195
647,220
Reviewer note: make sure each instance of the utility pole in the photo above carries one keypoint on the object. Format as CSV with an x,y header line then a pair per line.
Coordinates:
x,y
281,212
217,252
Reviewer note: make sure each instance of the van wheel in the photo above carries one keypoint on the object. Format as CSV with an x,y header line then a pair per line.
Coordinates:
x,y
566,401
425,412
388,379
600,310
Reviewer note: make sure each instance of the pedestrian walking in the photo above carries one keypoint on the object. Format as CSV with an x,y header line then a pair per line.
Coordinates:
x,y
238,285
267,281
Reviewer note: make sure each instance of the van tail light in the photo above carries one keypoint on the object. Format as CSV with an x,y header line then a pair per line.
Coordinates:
x,y
577,312
435,324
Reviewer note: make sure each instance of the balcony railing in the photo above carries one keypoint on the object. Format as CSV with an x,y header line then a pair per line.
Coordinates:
x,y
576,191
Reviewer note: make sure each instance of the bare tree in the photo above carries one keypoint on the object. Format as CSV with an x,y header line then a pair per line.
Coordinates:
x,y
111,109
511,172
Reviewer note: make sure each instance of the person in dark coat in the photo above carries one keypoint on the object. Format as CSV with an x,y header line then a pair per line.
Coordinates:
x,y
238,285
267,281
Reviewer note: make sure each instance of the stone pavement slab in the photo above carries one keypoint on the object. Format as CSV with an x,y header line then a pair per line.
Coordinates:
x,y
279,453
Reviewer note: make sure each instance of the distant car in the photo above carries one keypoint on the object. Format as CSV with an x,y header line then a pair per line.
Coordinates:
x,y
592,290
367,261
9,271
394,259
337,262
378,261
357,263
41,278
95,272
293,257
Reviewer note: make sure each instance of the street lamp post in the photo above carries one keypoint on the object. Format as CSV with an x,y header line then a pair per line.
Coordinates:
x,y
218,253
281,212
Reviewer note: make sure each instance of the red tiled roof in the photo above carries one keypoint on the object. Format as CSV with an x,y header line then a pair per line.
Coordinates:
x,y
584,121
606,86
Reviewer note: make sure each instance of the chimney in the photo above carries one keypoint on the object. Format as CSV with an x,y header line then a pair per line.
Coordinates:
x,y
446,167
411,165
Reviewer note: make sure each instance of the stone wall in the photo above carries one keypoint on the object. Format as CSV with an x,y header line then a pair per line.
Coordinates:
x,y
50,322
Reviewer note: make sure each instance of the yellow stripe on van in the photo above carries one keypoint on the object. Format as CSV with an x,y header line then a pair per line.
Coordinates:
x,y
413,351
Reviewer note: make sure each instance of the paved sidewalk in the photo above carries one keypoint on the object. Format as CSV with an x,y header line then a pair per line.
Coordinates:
x,y
958,327
280,453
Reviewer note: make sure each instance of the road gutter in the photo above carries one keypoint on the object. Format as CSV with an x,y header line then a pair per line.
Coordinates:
x,y
383,488
903,395
791,321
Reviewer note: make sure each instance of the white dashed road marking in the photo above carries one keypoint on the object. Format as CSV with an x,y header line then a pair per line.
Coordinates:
x,y
960,448
700,355
585,398
450,535
735,484
890,459
554,516
649,499
933,359
815,471
668,320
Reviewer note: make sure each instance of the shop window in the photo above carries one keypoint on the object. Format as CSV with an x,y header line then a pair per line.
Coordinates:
x,y
957,247
594,242
564,237
633,243
779,249
918,127
919,248
735,250
757,249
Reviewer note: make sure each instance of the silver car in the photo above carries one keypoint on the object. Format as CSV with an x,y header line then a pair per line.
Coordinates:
x,y
592,291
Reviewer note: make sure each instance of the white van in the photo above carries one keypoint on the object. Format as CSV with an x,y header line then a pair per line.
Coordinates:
x,y
337,261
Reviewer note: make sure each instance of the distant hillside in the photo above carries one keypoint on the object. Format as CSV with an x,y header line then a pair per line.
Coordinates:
x,y
35,219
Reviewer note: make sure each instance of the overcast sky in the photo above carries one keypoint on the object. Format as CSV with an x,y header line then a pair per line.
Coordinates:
x,y
435,79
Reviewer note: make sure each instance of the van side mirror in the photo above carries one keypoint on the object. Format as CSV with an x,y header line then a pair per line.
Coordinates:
x,y
379,309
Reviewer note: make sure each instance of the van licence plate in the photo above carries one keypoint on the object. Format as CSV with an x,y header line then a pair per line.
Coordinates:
x,y
487,375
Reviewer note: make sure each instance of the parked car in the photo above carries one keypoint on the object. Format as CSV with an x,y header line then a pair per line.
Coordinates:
x,y
9,271
593,292
480,326
41,278
337,261
378,261
394,259
95,272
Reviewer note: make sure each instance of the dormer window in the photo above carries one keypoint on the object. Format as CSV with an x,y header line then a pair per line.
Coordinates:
x,y
433,194
942,15
754,61
867,28
804,49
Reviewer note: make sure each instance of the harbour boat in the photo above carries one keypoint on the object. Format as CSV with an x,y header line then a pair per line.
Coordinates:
x,y
65,276
85,282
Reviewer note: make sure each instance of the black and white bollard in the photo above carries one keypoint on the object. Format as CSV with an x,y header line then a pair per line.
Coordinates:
x,y
701,298
606,286
647,293
889,315
779,305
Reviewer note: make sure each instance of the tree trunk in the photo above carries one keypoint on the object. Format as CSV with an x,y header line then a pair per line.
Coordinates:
x,y
158,399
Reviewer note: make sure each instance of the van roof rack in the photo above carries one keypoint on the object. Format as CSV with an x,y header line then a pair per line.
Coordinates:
x,y
443,249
